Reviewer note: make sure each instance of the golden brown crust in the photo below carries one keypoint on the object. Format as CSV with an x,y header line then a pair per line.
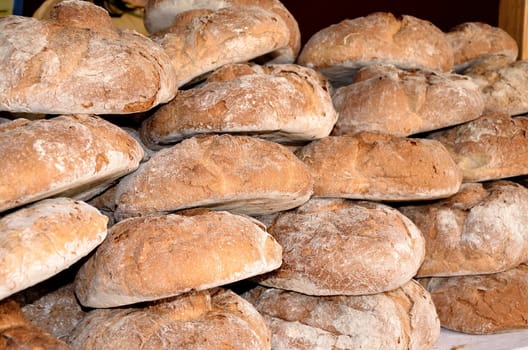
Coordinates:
x,y
381,167
173,254
386,99
503,83
401,319
488,148
65,155
481,229
200,40
80,65
407,42
238,173
161,14
472,41
481,304
38,241
342,247
17,333
282,103
206,320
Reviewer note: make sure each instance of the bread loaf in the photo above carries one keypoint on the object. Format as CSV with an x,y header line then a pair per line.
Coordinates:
x,y
65,155
407,42
381,167
504,84
161,14
481,304
174,254
17,333
473,41
404,318
206,320
342,247
239,173
386,99
77,62
56,312
283,103
38,241
481,229
489,148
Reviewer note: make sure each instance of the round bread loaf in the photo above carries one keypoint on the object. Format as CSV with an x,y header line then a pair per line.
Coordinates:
x,y
38,241
504,84
206,320
78,62
481,229
481,304
57,312
239,173
71,156
200,41
407,42
404,318
488,148
386,99
342,247
162,14
473,41
284,103
17,333
173,254
381,167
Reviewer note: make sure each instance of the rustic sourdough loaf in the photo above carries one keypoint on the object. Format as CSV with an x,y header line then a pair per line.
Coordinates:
x,y
173,254
380,167
343,247
69,155
404,318
481,229
504,84
38,241
78,62
162,14
481,304
55,310
488,148
387,99
407,42
18,333
284,103
238,173
206,320
473,41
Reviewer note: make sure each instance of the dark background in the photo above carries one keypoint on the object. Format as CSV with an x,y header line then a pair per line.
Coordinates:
x,y
315,15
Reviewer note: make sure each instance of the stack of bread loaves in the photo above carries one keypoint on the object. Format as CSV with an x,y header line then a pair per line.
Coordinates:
x,y
214,185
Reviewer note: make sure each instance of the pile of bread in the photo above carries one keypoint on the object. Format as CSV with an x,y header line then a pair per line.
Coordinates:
x,y
215,185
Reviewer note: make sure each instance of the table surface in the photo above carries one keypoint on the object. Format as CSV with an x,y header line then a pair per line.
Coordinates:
x,y
515,340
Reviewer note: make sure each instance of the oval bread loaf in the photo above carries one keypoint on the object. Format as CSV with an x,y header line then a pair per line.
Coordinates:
x,y
173,254
39,241
66,155
343,247
238,173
